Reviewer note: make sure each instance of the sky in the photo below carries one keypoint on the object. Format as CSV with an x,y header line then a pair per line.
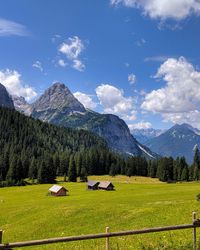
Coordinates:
x,y
138,59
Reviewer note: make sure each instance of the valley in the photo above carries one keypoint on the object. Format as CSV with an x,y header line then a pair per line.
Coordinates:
x,y
28,213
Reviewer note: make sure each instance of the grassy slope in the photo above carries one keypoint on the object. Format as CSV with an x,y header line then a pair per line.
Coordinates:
x,y
28,213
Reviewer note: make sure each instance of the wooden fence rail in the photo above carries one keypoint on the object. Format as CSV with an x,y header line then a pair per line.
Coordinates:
x,y
107,235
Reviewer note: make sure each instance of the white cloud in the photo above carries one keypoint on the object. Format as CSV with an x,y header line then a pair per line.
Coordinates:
x,y
10,28
38,65
131,116
163,9
11,79
132,78
72,49
140,125
78,65
86,100
179,100
113,101
62,63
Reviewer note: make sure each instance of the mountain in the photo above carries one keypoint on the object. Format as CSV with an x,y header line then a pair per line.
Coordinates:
x,y
58,106
144,135
5,99
56,103
21,104
180,140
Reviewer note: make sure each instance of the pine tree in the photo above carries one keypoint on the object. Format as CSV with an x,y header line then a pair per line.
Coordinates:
x,y
113,171
196,164
83,174
72,176
185,174
33,169
47,171
196,157
11,177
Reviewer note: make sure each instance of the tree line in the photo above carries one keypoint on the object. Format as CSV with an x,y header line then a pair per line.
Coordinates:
x,y
40,152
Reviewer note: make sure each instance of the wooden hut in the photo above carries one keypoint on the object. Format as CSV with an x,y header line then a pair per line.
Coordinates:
x,y
92,185
57,190
106,185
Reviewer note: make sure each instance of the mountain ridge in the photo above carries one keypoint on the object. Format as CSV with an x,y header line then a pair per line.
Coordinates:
x,y
58,106
143,135
177,141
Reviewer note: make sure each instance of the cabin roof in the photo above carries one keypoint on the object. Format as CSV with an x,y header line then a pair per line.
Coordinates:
x,y
105,184
56,188
92,183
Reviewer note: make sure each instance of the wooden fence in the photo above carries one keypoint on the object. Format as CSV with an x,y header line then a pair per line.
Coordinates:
x,y
106,235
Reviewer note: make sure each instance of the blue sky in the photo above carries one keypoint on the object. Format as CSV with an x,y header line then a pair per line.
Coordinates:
x,y
137,59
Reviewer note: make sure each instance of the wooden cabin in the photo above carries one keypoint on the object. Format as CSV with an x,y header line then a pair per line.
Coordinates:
x,y
106,185
92,185
57,190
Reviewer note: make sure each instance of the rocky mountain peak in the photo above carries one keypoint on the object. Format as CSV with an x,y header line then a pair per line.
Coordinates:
x,y
58,87
58,96
56,102
5,99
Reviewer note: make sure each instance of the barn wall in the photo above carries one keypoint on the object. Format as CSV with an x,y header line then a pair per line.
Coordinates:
x,y
62,192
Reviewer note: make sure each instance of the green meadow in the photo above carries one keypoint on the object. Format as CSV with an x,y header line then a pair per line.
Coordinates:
x,y
28,213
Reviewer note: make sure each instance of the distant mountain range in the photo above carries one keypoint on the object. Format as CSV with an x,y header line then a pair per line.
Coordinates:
x,y
180,140
59,106
144,135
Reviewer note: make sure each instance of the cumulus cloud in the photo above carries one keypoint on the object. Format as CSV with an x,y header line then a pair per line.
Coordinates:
x,y
10,28
113,101
132,78
140,125
86,100
72,49
38,65
163,9
131,116
179,100
11,79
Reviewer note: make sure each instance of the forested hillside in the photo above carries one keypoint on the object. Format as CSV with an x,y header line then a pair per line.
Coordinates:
x,y
39,151
31,148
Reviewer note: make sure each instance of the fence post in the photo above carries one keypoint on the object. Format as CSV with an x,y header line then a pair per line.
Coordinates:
x,y
194,231
1,236
107,239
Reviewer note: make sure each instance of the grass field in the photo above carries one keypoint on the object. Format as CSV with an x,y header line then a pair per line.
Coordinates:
x,y
28,213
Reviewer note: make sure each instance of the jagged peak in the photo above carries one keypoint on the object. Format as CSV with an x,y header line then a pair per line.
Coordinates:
x,y
58,87
57,97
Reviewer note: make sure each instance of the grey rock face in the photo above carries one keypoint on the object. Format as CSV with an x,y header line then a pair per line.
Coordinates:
x,y
56,102
117,134
5,99
21,105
